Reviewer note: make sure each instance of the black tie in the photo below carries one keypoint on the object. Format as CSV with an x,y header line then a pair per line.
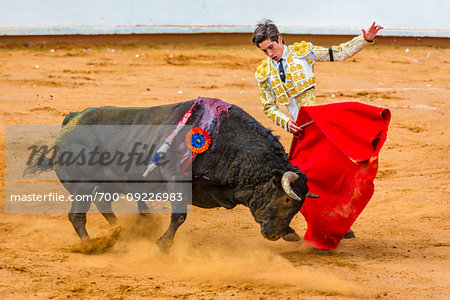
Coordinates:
x,y
281,71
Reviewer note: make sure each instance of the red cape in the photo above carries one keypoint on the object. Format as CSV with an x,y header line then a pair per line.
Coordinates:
x,y
338,153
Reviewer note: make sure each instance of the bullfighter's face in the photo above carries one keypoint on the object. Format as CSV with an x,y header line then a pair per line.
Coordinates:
x,y
273,49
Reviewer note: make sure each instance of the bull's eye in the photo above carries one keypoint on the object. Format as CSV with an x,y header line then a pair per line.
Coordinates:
x,y
287,200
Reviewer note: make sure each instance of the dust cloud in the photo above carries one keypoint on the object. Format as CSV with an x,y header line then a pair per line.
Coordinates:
x,y
216,260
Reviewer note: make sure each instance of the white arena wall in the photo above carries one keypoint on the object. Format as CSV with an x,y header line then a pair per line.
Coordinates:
x,y
413,18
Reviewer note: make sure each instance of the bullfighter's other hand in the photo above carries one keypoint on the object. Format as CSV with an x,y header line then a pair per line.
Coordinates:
x,y
292,128
370,34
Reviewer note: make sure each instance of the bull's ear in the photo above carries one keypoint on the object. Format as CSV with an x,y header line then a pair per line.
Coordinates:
x,y
277,172
302,176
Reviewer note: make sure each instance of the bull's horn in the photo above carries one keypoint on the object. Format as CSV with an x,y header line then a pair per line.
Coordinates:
x,y
286,180
311,195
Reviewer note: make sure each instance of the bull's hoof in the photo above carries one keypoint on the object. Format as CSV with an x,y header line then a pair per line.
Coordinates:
x,y
97,245
85,241
164,245
156,249
349,235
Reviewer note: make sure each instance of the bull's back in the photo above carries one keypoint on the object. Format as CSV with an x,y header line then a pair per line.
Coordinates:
x,y
110,115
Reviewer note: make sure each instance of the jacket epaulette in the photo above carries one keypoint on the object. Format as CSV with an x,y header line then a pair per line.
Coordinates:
x,y
301,49
262,71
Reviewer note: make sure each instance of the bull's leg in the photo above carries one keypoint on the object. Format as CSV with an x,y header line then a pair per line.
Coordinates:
x,y
179,213
178,216
103,206
142,208
77,216
165,242
79,208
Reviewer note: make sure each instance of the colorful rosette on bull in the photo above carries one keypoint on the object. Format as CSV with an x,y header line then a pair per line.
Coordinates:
x,y
198,140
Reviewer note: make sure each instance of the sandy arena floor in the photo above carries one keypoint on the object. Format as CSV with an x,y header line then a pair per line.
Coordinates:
x,y
401,250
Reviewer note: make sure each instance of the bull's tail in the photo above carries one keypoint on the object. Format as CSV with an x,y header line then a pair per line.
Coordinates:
x,y
69,117
38,165
41,163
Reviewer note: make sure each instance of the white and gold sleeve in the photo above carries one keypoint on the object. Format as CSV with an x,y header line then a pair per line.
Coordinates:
x,y
271,110
341,52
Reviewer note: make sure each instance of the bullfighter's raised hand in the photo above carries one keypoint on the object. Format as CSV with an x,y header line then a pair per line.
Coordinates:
x,y
370,34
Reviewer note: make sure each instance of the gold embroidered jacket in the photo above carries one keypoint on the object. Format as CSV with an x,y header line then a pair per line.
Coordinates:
x,y
300,78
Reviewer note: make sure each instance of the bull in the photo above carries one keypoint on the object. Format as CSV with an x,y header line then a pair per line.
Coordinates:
x,y
246,165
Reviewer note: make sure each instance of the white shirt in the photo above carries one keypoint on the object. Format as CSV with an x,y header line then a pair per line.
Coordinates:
x,y
284,57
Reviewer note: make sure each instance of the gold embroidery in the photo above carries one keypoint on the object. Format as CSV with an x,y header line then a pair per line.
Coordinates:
x,y
284,99
307,99
271,110
292,92
296,68
290,84
274,91
301,49
299,76
262,71
306,84
273,72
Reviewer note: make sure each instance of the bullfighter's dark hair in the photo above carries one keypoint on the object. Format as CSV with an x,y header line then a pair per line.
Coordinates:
x,y
264,30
